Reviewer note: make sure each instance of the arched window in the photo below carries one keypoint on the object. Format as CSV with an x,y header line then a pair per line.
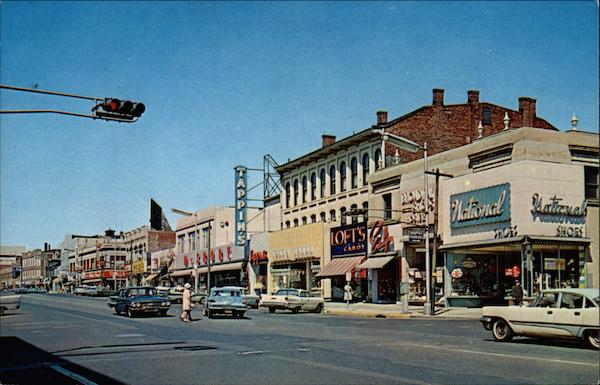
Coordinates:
x,y
331,180
332,215
304,188
323,175
287,224
313,218
296,222
365,207
378,163
313,186
296,191
322,216
365,169
287,195
343,176
343,217
353,173
353,208
303,220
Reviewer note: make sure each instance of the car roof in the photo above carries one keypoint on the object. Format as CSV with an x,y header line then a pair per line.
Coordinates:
x,y
589,292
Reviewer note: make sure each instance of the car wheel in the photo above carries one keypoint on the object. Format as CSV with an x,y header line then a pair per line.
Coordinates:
x,y
501,331
2,311
162,313
592,338
319,308
209,313
271,310
295,310
129,313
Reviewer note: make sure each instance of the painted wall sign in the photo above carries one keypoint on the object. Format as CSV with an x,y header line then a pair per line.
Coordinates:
x,y
380,239
349,239
482,206
569,231
241,201
506,232
553,208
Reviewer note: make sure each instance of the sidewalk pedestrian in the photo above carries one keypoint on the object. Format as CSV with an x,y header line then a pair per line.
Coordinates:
x,y
187,303
517,293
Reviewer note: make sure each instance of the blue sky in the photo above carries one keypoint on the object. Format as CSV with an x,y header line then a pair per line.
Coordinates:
x,y
226,83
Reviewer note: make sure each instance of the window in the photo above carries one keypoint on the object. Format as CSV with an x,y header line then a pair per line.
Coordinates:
x,y
353,208
304,188
287,224
378,163
387,206
296,192
192,241
332,216
206,236
287,194
180,242
571,301
353,173
313,186
313,218
487,116
322,216
591,182
303,220
365,207
342,215
322,176
296,222
331,180
365,169
343,176
547,300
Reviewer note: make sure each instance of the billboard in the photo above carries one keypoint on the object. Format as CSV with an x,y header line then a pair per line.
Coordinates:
x,y
348,240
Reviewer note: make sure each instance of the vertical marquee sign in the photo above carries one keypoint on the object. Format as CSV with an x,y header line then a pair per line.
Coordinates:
x,y
241,201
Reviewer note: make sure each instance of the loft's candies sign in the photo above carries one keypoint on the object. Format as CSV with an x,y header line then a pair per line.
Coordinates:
x,y
350,239
482,206
241,200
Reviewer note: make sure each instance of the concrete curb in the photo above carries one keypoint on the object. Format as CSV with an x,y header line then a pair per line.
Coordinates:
x,y
395,315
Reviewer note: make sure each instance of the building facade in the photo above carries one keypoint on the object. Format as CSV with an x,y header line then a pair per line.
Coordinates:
x,y
521,204
140,243
10,265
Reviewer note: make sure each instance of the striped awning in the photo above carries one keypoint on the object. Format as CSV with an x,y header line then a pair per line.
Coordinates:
x,y
339,266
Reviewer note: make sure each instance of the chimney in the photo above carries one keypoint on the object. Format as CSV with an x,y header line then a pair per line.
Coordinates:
x,y
527,110
328,140
473,97
438,97
110,233
381,117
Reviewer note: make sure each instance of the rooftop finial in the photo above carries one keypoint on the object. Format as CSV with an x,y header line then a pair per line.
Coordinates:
x,y
480,130
506,120
574,122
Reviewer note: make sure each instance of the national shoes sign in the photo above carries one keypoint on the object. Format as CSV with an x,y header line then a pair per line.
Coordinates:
x,y
479,207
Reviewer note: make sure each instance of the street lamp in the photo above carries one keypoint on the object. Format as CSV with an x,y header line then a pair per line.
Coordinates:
x,y
195,215
408,145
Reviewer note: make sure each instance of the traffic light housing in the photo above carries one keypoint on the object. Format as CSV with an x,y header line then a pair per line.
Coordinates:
x,y
118,109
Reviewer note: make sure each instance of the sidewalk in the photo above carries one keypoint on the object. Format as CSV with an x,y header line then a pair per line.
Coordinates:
x,y
371,310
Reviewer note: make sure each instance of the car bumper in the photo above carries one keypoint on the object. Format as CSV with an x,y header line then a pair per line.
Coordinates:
x,y
486,322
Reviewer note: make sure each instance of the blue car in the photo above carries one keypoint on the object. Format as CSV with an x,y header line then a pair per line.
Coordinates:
x,y
223,300
139,300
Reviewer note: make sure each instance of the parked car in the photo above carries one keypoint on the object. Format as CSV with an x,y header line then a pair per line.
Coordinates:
x,y
558,313
223,300
87,290
175,295
136,300
9,302
292,299
249,299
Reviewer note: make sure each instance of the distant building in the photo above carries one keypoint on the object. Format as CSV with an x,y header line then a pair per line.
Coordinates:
x,y
140,244
10,265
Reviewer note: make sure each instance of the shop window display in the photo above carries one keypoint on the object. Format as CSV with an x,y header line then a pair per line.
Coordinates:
x,y
475,275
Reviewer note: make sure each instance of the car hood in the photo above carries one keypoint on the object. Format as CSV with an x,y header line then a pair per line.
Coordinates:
x,y
147,298
227,300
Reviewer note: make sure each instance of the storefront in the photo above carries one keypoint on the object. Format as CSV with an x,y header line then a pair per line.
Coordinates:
x,y
348,249
526,227
258,263
113,279
227,267
295,257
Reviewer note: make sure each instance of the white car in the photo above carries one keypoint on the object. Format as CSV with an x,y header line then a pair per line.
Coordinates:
x,y
558,313
9,302
292,299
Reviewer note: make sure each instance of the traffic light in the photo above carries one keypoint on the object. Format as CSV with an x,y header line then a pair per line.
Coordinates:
x,y
16,272
119,109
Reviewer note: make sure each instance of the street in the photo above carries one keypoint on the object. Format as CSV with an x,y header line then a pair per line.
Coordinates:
x,y
263,348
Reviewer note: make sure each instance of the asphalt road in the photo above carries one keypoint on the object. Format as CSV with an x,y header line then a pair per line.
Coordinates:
x,y
69,339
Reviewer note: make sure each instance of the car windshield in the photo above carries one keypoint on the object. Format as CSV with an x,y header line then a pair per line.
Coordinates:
x,y
142,291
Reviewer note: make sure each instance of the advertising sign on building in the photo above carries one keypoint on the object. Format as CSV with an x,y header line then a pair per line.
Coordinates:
x,y
241,200
348,240
482,206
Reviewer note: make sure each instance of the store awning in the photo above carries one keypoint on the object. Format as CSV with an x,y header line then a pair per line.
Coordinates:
x,y
554,240
483,243
227,266
182,273
150,277
376,263
339,266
